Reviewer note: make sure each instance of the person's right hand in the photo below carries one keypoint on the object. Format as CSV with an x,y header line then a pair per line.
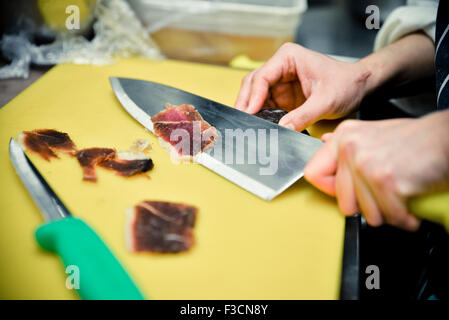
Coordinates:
x,y
375,167
307,84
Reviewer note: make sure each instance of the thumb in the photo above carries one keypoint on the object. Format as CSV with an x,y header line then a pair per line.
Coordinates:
x,y
322,168
325,137
305,115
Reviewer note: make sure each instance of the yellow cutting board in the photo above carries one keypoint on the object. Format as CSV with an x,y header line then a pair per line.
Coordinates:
x,y
246,248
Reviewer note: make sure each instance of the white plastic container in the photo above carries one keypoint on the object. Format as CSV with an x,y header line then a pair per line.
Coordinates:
x,y
217,31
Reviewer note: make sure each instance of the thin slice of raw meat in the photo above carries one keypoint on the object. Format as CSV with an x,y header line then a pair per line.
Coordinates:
x,y
128,165
158,226
183,128
190,144
89,158
46,142
274,115
127,168
182,112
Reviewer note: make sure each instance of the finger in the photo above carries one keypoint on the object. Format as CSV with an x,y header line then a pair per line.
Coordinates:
x,y
288,95
258,93
394,209
344,186
325,137
321,169
244,93
396,214
264,77
305,115
367,203
269,104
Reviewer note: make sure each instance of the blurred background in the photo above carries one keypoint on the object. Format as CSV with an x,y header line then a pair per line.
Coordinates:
x,y
240,33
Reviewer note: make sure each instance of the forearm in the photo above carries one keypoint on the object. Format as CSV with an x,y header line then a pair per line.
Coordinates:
x,y
408,59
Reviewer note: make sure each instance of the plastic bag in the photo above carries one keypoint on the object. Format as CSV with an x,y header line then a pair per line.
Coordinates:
x,y
118,33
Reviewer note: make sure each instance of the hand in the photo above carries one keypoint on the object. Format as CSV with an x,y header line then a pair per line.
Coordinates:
x,y
374,167
307,84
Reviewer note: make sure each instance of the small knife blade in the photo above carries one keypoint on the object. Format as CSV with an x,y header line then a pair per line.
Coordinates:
x,y
49,204
292,150
101,276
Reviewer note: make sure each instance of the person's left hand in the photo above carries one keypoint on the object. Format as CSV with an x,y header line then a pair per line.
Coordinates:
x,y
373,167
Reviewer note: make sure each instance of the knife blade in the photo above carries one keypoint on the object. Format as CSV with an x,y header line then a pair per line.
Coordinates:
x,y
286,151
101,276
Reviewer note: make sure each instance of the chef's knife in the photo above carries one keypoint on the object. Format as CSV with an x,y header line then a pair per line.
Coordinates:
x,y
289,152
101,276
143,99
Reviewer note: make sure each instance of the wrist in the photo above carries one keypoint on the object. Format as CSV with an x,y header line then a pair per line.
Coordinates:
x,y
376,70
437,122
403,61
445,132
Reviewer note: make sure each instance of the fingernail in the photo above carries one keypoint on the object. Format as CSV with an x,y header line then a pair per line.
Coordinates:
x,y
325,137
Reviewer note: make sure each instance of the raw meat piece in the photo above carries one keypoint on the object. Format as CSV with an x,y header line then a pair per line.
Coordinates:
x,y
196,142
127,168
274,115
89,158
182,112
158,226
271,115
201,134
124,164
46,142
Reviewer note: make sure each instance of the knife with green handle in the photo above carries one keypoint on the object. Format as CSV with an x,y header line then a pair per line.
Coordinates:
x,y
101,276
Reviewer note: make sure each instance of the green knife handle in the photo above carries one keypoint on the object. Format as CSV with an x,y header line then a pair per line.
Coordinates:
x,y
101,275
433,207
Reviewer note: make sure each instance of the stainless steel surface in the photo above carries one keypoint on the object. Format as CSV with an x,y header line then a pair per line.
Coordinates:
x,y
332,27
42,194
143,99
10,88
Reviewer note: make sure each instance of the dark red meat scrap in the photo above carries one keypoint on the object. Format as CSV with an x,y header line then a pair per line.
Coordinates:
x,y
89,158
46,142
273,115
185,117
127,168
163,227
107,158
